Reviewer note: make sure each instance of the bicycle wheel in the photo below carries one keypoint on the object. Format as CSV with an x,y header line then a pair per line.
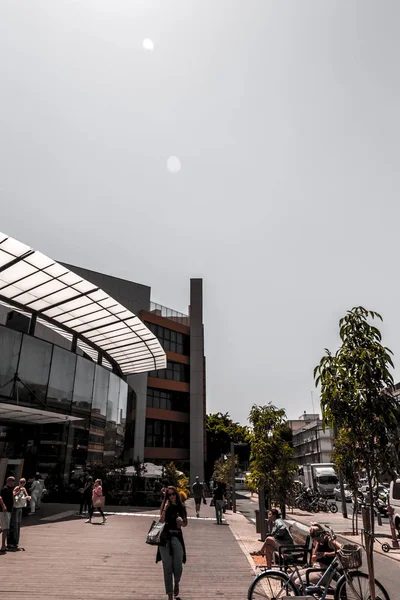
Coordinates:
x,y
271,585
356,587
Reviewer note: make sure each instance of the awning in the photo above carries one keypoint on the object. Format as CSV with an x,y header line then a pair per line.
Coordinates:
x,y
62,300
33,416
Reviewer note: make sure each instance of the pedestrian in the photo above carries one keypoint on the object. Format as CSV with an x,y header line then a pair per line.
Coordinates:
x,y
219,498
97,501
20,496
172,552
7,504
86,498
279,536
198,494
36,490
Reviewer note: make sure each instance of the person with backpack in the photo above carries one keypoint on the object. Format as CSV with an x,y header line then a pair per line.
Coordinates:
x,y
198,495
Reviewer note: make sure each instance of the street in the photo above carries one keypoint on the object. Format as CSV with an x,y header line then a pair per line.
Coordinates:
x,y
387,569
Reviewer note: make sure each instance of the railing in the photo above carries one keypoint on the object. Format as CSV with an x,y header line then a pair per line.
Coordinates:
x,y
169,313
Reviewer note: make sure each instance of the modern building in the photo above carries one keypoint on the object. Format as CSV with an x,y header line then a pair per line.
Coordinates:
x,y
166,414
311,443
67,352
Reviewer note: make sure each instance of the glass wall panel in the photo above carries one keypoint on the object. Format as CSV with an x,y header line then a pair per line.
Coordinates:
x,y
10,345
83,388
98,416
33,370
61,382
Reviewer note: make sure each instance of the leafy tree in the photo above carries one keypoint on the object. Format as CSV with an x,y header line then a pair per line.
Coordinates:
x,y
356,384
220,432
178,480
272,467
347,461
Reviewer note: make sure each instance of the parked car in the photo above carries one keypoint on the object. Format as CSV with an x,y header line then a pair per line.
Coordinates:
x,y
338,495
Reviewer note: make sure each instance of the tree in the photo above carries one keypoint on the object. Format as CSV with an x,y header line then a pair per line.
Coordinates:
x,y
272,467
347,461
220,432
178,480
356,396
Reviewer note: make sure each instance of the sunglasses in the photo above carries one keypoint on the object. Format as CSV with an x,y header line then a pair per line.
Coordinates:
x,y
171,494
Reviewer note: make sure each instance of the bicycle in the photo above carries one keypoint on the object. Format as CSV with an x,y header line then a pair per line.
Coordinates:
x,y
351,584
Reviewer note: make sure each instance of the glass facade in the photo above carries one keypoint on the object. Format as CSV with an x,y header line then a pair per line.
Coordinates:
x,y
52,378
174,341
166,434
174,372
168,400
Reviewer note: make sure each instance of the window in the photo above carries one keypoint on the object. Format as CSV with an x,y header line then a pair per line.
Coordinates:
x,y
61,382
166,434
174,372
168,400
33,370
10,344
174,341
83,389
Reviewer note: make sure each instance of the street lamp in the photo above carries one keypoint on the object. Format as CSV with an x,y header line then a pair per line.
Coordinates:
x,y
233,446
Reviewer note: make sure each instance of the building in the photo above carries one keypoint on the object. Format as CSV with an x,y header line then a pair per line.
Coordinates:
x,y
166,415
311,443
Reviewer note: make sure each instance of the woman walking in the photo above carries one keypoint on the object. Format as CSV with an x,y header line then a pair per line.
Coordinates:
x,y
20,500
172,553
97,501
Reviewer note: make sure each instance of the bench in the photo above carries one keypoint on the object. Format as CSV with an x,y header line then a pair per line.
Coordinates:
x,y
298,553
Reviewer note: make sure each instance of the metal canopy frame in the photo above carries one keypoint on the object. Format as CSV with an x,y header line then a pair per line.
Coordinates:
x,y
37,286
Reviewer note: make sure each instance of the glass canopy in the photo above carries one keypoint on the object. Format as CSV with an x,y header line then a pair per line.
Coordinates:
x,y
34,284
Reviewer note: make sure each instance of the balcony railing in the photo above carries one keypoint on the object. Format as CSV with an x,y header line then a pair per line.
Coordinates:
x,y
169,313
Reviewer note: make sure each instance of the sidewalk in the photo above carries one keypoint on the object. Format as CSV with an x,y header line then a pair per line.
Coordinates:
x,y
67,559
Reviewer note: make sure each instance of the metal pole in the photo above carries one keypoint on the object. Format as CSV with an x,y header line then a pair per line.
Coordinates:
x,y
233,477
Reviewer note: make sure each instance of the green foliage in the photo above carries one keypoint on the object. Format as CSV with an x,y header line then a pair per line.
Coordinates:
x,y
271,461
356,385
356,397
171,474
223,469
220,432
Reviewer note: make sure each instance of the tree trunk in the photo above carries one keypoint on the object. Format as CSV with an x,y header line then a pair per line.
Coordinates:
x,y
367,515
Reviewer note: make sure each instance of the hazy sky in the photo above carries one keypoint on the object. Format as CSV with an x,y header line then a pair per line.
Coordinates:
x,y
285,117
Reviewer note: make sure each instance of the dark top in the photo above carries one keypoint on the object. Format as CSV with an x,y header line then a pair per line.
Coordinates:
x,y
171,514
87,492
219,493
325,547
281,533
8,499
197,489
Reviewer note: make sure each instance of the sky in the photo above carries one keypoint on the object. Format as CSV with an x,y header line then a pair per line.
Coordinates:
x,y
284,118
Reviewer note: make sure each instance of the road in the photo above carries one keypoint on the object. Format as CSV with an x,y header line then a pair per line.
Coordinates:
x,y
387,570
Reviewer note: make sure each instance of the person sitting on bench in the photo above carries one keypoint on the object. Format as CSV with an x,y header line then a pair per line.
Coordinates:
x,y
279,536
323,552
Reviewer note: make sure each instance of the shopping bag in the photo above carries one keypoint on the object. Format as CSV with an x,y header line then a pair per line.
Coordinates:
x,y
99,501
154,535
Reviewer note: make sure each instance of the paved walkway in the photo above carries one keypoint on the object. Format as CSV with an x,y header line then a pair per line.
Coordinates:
x,y
65,558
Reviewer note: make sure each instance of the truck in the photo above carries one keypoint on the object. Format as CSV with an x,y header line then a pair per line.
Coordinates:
x,y
321,477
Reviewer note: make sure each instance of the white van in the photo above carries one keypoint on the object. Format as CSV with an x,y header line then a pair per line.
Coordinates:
x,y
394,501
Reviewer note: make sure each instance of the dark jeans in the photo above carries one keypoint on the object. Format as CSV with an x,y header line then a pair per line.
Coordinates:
x,y
85,504
93,508
15,527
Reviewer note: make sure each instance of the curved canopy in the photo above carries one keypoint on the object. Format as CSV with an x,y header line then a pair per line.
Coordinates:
x,y
62,300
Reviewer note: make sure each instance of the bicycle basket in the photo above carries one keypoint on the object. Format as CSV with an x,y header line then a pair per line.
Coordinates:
x,y
350,556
